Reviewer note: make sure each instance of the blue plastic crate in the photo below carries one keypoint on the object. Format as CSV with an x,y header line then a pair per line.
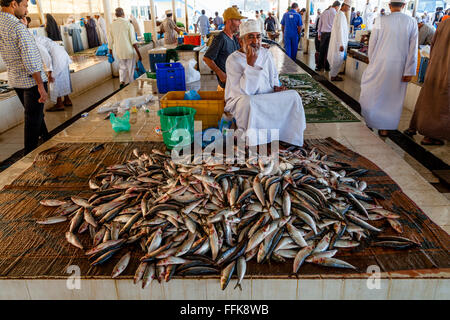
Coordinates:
x,y
156,58
170,77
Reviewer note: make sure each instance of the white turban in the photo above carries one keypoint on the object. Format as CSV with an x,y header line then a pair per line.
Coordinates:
x,y
348,2
249,26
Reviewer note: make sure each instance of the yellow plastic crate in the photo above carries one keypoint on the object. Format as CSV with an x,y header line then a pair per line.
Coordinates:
x,y
209,109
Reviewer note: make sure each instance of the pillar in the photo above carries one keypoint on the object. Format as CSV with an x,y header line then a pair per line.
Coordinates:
x,y
278,10
186,14
107,14
415,8
174,11
306,24
40,12
153,13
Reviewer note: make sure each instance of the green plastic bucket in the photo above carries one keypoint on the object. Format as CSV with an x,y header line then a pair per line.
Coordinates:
x,y
148,37
173,118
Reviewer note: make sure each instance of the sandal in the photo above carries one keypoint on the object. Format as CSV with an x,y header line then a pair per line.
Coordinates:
x,y
55,108
410,132
427,141
383,133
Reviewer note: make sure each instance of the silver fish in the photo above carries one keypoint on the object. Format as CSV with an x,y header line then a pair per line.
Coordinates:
x,y
121,265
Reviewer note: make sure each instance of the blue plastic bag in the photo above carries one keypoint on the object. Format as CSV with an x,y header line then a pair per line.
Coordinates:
x,y
139,70
110,58
102,50
120,123
192,95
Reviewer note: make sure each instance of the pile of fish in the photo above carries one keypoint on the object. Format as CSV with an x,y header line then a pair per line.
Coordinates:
x,y
209,218
309,93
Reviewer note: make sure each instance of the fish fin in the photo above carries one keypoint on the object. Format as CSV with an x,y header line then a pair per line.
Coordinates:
x,y
238,285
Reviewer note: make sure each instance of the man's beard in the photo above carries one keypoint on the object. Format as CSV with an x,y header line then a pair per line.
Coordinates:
x,y
257,49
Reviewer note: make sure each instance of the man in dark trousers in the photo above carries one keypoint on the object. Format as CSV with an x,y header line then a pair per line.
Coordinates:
x,y
25,69
324,33
224,44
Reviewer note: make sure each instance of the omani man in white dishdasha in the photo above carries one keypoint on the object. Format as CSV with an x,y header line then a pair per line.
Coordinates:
x,y
254,96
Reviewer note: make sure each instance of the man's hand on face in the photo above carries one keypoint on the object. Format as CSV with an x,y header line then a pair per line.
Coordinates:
x,y
278,89
252,55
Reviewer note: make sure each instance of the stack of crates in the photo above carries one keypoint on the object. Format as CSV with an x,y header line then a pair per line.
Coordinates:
x,y
209,108
193,38
157,55
170,77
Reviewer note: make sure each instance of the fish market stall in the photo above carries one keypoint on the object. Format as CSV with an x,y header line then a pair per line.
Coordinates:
x,y
387,242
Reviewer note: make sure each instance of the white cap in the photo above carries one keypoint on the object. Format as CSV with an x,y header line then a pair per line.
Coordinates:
x,y
249,26
348,2
168,12
401,1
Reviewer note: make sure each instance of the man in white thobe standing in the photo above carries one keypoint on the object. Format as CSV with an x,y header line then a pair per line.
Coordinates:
x,y
338,41
392,63
101,28
122,40
367,14
254,97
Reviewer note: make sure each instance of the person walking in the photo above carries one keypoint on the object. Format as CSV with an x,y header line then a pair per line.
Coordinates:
x,y
218,20
432,112
392,64
270,23
25,69
291,25
338,42
203,24
324,33
91,30
122,40
170,29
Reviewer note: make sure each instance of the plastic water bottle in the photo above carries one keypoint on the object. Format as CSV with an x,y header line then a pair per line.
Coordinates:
x,y
225,124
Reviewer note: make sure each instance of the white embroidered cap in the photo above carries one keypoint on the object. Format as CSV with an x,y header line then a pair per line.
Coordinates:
x,y
249,26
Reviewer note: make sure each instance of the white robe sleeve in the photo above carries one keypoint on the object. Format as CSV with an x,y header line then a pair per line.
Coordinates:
x,y
46,58
411,59
338,25
274,80
372,43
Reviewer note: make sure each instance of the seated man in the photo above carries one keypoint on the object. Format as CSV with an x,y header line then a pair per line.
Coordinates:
x,y
253,94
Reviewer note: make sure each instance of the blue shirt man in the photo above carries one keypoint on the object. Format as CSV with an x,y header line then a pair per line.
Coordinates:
x,y
357,22
291,24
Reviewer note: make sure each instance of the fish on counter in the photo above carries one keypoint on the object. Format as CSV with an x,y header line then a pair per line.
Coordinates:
x,y
209,218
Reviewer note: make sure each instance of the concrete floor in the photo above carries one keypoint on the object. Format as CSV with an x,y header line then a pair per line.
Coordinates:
x,y
353,89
